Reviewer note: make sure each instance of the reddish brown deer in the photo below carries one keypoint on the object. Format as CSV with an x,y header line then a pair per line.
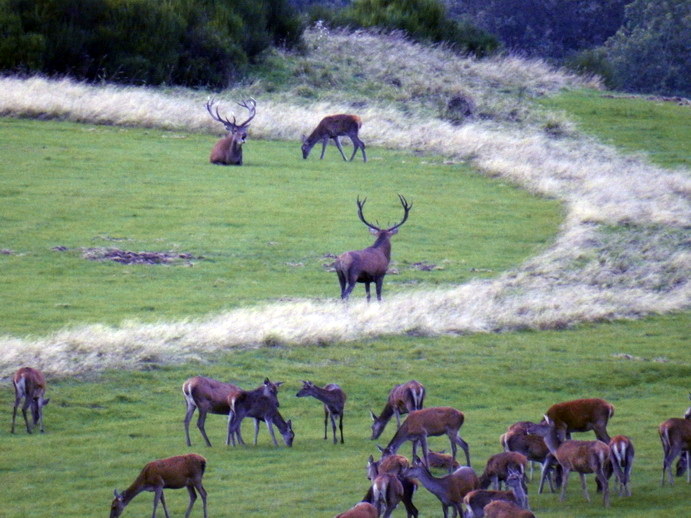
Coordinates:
x,y
580,456
333,127
402,399
449,489
210,396
675,435
360,510
581,415
504,509
621,456
476,501
439,459
228,150
261,408
334,400
427,422
499,466
171,473
369,265
393,465
532,446
30,386
387,493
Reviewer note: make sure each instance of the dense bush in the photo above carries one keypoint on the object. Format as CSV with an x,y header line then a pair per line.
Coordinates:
x,y
189,42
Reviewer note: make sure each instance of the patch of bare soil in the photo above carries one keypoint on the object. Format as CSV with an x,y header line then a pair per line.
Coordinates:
x,y
130,257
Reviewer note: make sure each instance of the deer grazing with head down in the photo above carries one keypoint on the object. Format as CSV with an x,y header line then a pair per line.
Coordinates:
x,y
228,150
171,473
402,399
581,415
333,127
261,408
370,264
517,439
334,400
428,422
499,466
30,386
210,396
580,456
675,435
476,501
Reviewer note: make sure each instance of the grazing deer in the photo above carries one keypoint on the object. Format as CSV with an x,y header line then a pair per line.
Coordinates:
x,y
333,127
449,489
402,399
261,408
393,465
334,400
532,446
504,509
30,386
228,150
621,456
368,265
427,422
211,396
476,501
360,510
581,415
499,466
171,473
387,493
675,434
580,456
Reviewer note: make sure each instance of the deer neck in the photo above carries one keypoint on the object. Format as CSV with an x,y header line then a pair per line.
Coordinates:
x,y
552,440
383,244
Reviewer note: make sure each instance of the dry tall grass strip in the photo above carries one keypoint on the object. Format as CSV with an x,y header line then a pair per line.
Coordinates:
x,y
622,252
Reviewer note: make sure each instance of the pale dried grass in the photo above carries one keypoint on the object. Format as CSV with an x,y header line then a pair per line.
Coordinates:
x,y
622,252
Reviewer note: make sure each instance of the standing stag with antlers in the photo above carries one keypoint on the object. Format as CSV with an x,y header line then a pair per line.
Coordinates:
x,y
228,150
369,265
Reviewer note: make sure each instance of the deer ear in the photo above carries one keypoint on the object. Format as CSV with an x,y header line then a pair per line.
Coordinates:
x,y
380,448
45,402
374,417
373,231
394,231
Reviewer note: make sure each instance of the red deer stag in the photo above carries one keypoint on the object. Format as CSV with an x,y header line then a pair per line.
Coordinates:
x,y
504,509
427,422
581,415
675,435
393,465
361,510
261,408
402,399
171,473
30,386
333,127
499,466
621,455
210,396
334,400
449,489
368,265
476,501
580,456
228,150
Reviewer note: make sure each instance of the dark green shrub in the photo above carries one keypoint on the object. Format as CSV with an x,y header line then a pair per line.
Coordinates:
x,y
593,62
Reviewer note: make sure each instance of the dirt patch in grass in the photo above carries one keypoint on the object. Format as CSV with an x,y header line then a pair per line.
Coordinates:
x,y
130,257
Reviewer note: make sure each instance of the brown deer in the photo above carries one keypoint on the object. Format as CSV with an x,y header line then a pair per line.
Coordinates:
x,y
393,465
261,408
449,489
476,501
402,399
439,459
504,509
580,456
228,150
210,396
499,466
360,510
369,265
333,127
621,456
387,493
334,400
675,435
532,446
171,473
30,386
427,422
581,415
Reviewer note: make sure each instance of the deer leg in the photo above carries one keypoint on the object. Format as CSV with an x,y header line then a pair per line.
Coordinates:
x,y
333,427
340,425
269,425
357,143
407,499
256,431
325,141
193,498
342,282
25,406
564,483
14,412
202,492
462,444
584,487
604,481
398,417
338,145
367,290
601,434
379,283
200,424
326,421
230,436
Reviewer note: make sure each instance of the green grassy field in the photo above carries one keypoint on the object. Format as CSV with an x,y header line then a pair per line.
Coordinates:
x,y
89,186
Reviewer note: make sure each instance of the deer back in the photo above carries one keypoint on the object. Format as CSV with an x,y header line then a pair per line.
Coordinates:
x,y
209,395
504,509
583,456
432,421
579,415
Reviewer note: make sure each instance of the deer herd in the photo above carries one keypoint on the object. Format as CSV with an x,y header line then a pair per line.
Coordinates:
x,y
394,478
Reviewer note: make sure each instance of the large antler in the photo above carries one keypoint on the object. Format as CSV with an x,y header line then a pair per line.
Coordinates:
x,y
217,116
251,106
361,204
406,207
